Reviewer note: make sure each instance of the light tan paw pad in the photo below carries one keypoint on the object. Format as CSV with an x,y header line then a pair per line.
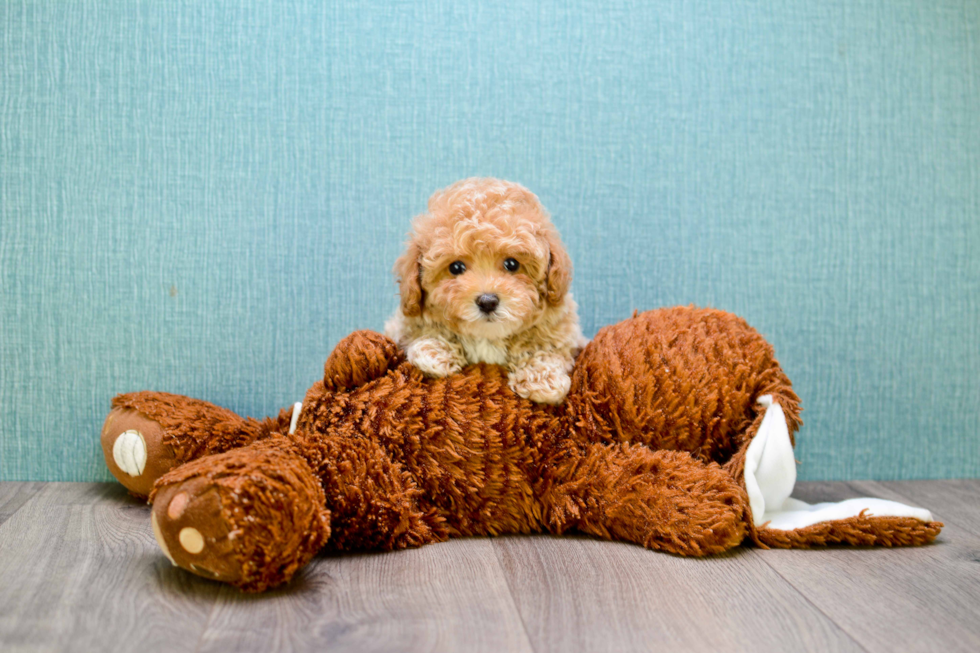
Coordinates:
x,y
193,530
129,452
191,539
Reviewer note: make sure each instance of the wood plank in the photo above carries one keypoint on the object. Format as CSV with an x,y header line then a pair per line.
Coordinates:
x,y
582,594
443,597
908,599
80,571
958,500
14,494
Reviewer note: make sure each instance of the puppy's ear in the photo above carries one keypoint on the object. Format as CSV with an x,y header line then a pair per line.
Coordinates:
x,y
559,274
409,273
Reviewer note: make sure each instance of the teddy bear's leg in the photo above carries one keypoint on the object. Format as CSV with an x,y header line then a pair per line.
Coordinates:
x,y
374,502
253,516
146,434
663,500
250,517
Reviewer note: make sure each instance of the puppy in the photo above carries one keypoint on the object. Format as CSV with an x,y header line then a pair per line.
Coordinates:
x,y
484,278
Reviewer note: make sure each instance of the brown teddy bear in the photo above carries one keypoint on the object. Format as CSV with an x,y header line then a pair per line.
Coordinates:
x,y
676,435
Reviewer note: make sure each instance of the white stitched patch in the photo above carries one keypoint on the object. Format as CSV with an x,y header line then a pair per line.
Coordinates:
x,y
129,452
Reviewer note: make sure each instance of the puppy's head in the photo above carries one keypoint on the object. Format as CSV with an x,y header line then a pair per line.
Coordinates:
x,y
484,260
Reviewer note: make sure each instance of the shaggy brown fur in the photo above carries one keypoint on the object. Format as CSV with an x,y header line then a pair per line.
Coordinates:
x,y
648,447
260,510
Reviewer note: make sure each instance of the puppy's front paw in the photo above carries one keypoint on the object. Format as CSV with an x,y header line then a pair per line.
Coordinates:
x,y
544,381
433,358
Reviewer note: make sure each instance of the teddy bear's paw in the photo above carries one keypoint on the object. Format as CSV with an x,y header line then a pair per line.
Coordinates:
x,y
134,449
191,528
252,516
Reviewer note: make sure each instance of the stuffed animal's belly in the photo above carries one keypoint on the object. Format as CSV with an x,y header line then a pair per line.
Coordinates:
x,y
481,481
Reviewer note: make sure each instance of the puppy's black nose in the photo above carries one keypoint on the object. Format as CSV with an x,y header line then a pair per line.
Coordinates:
x,y
487,302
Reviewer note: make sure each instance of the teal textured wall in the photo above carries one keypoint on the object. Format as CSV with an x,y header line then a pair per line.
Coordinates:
x,y
202,197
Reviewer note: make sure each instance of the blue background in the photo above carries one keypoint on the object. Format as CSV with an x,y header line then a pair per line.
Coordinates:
x,y
202,197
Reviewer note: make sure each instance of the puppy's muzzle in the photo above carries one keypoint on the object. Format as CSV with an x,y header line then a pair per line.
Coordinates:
x,y
488,303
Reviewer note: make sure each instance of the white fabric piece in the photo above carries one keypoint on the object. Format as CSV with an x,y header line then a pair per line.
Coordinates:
x,y
797,514
297,407
770,474
770,469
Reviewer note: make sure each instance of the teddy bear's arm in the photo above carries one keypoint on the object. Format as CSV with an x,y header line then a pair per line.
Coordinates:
x,y
662,500
360,357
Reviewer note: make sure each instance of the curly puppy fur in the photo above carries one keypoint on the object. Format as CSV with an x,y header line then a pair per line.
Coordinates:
x,y
457,256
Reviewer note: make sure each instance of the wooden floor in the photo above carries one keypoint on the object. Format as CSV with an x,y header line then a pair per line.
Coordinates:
x,y
80,571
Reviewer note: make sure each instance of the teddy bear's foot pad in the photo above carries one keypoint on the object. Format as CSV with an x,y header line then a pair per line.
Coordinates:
x,y
190,527
134,449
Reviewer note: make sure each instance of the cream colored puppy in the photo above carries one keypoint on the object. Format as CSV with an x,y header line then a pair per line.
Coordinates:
x,y
484,278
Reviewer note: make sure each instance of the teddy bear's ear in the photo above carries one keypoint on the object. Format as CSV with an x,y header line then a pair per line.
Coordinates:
x,y
559,274
360,357
408,270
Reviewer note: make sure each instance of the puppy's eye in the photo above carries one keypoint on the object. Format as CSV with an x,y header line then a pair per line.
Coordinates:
x,y
511,265
457,268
